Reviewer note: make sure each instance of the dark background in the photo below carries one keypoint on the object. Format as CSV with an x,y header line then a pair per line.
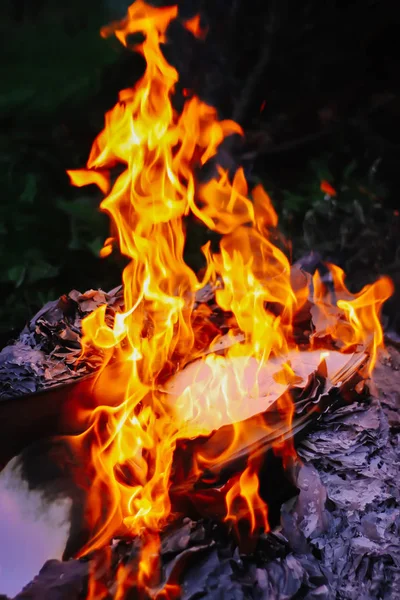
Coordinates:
x,y
315,85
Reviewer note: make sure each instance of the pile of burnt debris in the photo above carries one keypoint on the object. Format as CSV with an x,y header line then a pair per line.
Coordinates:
x,y
48,349
338,537
335,534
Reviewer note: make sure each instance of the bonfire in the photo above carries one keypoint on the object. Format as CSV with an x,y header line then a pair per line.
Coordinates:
x,y
197,375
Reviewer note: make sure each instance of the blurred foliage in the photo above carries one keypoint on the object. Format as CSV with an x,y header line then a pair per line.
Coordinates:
x,y
52,68
356,194
51,54
43,237
355,226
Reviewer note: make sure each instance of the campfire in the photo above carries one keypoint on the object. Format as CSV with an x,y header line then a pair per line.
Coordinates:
x,y
196,378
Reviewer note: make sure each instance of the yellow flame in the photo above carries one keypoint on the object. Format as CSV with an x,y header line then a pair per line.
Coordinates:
x,y
351,319
132,439
244,491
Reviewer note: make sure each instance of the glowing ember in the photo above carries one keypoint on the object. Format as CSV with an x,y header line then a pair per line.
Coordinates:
x,y
132,445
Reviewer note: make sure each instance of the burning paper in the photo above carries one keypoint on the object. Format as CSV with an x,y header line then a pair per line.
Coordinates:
x,y
220,390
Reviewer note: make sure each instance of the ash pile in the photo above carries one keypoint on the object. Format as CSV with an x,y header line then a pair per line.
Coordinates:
x,y
338,537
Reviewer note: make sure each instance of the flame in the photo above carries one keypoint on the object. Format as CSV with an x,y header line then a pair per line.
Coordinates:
x,y
244,491
352,320
194,26
133,434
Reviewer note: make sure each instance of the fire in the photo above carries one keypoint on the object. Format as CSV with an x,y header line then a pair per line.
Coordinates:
x,y
245,490
351,319
194,26
132,439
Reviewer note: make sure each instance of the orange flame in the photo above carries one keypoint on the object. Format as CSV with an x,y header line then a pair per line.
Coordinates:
x,y
133,436
351,319
194,26
326,187
244,493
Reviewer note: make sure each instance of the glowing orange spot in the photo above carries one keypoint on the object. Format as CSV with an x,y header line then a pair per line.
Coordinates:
x,y
194,26
327,188
107,248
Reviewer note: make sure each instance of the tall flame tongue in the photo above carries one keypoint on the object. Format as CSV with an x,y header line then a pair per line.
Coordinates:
x,y
132,445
